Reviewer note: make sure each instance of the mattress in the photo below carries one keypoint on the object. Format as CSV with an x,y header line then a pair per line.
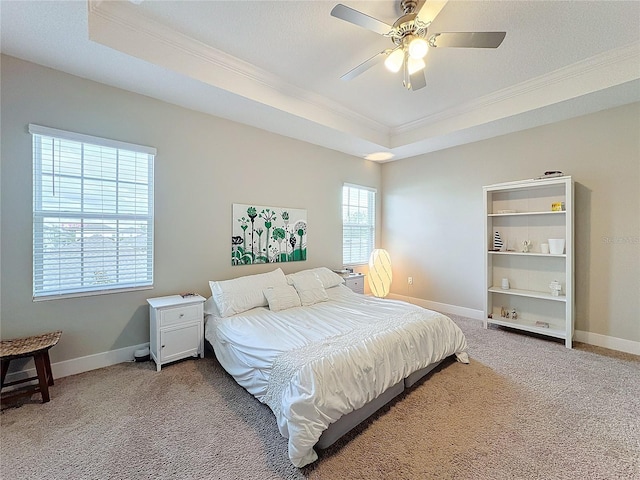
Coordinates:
x,y
314,364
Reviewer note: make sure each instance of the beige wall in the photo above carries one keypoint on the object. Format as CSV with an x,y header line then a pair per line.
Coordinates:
x,y
204,164
433,214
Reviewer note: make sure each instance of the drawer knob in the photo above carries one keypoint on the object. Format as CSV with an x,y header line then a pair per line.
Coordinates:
x,y
181,315
162,346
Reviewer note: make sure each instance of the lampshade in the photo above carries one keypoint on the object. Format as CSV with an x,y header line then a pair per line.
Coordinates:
x,y
394,60
418,48
379,272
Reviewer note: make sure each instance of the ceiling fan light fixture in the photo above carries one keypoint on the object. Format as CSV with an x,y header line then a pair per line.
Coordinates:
x,y
418,48
394,60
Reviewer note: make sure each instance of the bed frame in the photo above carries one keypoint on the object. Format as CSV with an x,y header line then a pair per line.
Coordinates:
x,y
351,420
348,422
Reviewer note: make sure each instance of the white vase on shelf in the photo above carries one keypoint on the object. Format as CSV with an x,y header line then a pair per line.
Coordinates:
x,y
556,246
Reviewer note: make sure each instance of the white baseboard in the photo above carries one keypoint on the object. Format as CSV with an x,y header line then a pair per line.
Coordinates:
x,y
441,307
80,365
613,343
112,357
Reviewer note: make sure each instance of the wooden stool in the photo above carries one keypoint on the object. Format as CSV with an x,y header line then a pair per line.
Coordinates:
x,y
37,347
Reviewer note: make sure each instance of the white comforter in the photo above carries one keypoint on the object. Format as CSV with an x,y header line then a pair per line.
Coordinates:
x,y
314,364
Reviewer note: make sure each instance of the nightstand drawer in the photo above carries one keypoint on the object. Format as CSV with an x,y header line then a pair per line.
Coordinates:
x,y
355,283
172,316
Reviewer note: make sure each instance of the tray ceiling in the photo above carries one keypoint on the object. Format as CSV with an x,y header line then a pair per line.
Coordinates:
x,y
276,65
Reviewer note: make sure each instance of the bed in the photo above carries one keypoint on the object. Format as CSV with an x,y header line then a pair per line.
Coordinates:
x,y
322,357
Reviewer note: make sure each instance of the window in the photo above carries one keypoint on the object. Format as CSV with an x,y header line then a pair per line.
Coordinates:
x,y
92,214
358,223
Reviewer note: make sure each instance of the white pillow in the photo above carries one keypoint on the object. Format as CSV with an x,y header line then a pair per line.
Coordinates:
x,y
210,307
309,287
282,297
327,277
244,293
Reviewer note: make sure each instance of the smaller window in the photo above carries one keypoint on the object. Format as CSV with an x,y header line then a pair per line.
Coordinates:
x,y
358,223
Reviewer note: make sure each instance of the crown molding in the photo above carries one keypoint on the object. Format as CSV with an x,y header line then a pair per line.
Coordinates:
x,y
605,70
121,26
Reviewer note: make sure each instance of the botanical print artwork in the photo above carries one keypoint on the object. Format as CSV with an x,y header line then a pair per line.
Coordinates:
x,y
267,234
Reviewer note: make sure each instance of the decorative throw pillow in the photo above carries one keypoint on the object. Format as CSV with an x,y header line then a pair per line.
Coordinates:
x,y
309,287
244,293
282,297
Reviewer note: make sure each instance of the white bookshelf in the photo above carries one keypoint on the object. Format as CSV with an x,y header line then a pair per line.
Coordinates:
x,y
521,211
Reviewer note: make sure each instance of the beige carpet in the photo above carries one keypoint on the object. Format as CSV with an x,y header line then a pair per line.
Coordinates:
x,y
524,408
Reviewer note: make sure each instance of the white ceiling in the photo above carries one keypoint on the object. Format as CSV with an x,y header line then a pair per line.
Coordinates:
x,y
276,65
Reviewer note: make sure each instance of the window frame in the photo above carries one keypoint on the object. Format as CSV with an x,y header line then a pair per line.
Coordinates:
x,y
41,212
370,224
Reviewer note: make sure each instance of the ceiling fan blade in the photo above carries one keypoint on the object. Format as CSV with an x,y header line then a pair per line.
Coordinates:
x,y
467,39
363,67
418,80
358,18
430,10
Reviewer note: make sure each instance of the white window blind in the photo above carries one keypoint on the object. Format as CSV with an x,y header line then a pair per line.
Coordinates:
x,y
358,223
92,214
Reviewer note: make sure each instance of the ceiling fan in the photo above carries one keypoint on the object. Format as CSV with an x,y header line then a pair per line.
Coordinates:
x,y
411,39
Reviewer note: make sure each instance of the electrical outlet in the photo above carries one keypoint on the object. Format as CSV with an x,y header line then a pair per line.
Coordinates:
x,y
410,280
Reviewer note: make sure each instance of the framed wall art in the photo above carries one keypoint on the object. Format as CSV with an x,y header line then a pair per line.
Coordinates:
x,y
262,234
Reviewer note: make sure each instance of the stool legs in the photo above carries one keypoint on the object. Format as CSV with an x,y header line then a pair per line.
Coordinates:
x,y
42,367
47,363
44,377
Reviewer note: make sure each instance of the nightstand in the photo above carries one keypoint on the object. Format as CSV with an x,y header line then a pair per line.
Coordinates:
x,y
176,328
355,281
